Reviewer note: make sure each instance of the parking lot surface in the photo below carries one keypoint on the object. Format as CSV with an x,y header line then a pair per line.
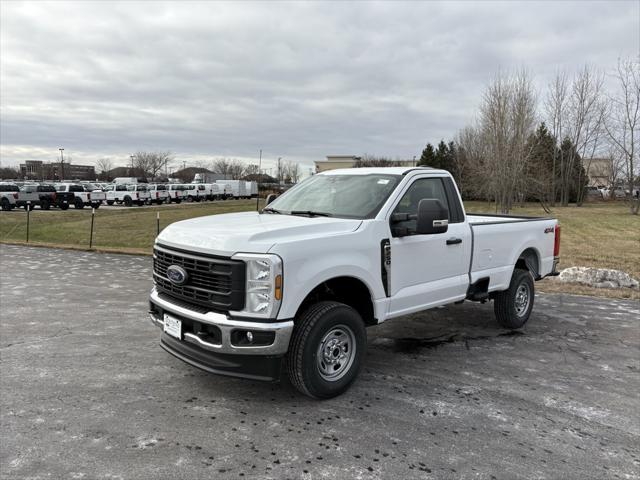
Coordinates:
x,y
86,391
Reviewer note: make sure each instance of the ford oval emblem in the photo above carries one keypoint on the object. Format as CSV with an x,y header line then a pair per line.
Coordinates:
x,y
177,275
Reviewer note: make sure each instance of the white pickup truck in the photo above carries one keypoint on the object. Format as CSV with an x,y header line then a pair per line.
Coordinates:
x,y
82,196
296,284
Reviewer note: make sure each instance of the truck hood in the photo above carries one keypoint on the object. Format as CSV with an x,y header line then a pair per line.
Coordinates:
x,y
249,232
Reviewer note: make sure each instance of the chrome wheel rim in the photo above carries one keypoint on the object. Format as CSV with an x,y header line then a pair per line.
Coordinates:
x,y
336,353
522,300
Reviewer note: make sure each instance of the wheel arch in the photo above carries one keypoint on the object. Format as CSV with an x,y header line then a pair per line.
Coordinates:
x,y
529,260
345,289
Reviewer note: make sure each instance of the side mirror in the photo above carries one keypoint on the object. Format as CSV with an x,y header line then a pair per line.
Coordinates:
x,y
433,217
270,198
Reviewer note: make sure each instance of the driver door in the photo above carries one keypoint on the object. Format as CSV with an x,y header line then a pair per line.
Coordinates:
x,y
431,269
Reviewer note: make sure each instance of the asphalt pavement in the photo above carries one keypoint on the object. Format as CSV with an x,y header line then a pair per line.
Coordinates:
x,y
87,392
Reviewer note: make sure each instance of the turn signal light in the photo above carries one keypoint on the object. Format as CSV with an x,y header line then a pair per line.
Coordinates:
x,y
278,292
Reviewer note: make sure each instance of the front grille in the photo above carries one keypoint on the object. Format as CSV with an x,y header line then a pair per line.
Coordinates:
x,y
216,283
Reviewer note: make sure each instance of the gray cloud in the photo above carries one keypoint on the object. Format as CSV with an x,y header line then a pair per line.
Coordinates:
x,y
300,80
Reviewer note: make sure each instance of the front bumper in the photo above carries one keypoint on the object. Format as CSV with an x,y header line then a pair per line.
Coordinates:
x,y
281,331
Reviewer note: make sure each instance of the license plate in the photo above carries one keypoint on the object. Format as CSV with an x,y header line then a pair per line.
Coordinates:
x,y
173,326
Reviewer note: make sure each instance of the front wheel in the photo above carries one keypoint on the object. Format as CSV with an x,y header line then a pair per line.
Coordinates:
x,y
79,204
6,205
44,204
512,307
327,350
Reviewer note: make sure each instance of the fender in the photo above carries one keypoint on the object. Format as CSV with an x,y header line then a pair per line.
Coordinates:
x,y
297,288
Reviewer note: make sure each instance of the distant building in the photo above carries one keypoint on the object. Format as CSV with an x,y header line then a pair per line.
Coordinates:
x,y
39,170
600,172
349,161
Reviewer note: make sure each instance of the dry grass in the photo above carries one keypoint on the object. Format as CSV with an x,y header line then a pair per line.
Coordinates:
x,y
602,235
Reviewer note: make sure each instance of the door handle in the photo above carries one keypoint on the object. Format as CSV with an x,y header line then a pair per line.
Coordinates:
x,y
454,241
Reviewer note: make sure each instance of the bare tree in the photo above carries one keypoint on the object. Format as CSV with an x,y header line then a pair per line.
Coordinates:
x,y
585,114
236,169
152,163
293,171
556,107
252,169
221,166
469,163
373,161
623,122
507,120
105,165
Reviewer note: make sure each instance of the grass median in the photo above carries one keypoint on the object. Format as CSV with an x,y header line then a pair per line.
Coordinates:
x,y
600,235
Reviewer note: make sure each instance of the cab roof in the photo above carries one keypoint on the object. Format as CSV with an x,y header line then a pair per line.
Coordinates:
x,y
380,171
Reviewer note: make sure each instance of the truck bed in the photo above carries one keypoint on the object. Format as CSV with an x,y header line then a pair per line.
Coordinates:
x,y
498,241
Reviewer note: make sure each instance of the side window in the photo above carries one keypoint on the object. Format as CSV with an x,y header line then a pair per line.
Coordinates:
x,y
422,188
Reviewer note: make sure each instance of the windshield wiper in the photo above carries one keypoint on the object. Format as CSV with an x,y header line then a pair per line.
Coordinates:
x,y
270,210
311,213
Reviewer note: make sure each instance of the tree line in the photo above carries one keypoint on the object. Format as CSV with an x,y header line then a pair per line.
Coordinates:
x,y
522,147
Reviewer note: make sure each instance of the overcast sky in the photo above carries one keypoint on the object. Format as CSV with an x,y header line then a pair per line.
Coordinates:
x,y
299,80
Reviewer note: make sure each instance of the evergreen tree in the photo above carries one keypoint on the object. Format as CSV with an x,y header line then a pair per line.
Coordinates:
x,y
441,159
541,179
428,156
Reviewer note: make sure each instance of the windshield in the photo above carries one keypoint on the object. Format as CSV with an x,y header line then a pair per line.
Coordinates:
x,y
349,196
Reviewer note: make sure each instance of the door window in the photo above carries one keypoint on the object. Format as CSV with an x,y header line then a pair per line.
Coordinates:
x,y
422,188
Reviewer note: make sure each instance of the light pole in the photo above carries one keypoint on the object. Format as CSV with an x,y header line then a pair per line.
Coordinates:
x,y
61,164
258,181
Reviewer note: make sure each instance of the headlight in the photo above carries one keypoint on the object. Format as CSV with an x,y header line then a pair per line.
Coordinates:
x,y
263,285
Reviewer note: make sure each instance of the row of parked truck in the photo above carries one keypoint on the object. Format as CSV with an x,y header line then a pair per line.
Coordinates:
x,y
80,195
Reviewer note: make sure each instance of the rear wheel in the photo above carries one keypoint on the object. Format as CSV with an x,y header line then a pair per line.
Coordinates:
x,y
95,205
128,202
513,306
327,350
109,202
78,203
6,205
64,206
44,204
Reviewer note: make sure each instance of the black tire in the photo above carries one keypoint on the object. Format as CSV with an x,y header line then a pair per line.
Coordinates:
x,y
509,305
190,199
178,200
64,206
314,328
128,202
95,205
78,203
109,202
6,205
44,204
